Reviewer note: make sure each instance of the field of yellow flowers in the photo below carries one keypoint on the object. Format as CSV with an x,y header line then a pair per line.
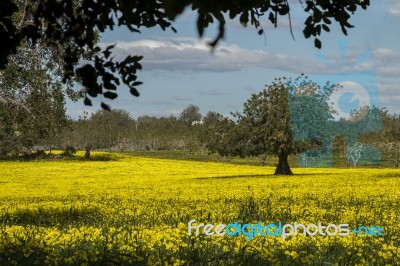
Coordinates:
x,y
135,210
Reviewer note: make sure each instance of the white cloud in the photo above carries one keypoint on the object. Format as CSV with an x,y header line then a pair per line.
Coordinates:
x,y
388,62
189,54
385,54
394,12
192,55
389,71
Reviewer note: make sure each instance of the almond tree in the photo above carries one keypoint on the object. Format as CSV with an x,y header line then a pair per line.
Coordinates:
x,y
355,152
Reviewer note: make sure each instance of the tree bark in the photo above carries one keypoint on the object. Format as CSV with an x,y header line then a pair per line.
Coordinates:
x,y
283,167
87,153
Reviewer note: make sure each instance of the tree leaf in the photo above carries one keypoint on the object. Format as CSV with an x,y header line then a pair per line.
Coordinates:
x,y
137,83
105,107
87,101
134,92
326,20
317,43
326,28
244,19
110,95
271,17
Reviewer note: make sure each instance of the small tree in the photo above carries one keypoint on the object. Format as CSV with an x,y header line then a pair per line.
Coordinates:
x,y
393,148
190,115
355,152
388,139
116,126
216,133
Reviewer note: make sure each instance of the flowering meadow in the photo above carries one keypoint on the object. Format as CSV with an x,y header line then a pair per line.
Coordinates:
x,y
127,209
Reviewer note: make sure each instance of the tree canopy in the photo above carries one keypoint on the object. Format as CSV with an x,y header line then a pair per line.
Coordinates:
x,y
32,101
288,117
72,27
190,115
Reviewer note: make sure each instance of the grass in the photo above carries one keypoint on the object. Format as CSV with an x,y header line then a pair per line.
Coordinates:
x,y
130,208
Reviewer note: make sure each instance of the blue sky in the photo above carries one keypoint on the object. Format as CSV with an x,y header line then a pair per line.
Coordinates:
x,y
179,69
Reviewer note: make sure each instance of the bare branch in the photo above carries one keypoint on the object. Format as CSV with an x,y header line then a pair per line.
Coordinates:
x,y
8,100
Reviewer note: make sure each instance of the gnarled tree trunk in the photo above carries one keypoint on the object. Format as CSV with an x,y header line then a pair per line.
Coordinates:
x,y
283,167
87,152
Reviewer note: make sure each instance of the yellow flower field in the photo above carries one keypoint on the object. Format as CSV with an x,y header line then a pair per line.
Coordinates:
x,y
136,210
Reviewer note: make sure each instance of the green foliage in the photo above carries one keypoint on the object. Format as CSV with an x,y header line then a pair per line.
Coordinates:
x,y
122,133
216,133
32,102
115,127
387,138
190,115
289,116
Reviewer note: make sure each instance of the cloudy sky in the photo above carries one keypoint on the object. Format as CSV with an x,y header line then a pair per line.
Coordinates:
x,y
179,68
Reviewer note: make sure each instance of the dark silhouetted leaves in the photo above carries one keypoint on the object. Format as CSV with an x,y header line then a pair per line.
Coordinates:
x,y
326,28
8,32
310,5
200,25
110,95
137,83
134,92
271,17
244,19
73,26
327,20
105,107
87,101
107,52
317,43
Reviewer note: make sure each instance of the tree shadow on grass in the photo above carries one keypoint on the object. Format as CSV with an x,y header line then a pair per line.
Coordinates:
x,y
264,176
58,157
389,175
235,176
51,217
94,158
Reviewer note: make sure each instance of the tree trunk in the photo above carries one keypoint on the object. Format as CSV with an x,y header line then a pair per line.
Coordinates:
x,y
87,153
264,159
283,167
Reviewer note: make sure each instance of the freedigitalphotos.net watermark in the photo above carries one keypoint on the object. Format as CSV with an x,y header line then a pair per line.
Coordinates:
x,y
353,107
280,229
